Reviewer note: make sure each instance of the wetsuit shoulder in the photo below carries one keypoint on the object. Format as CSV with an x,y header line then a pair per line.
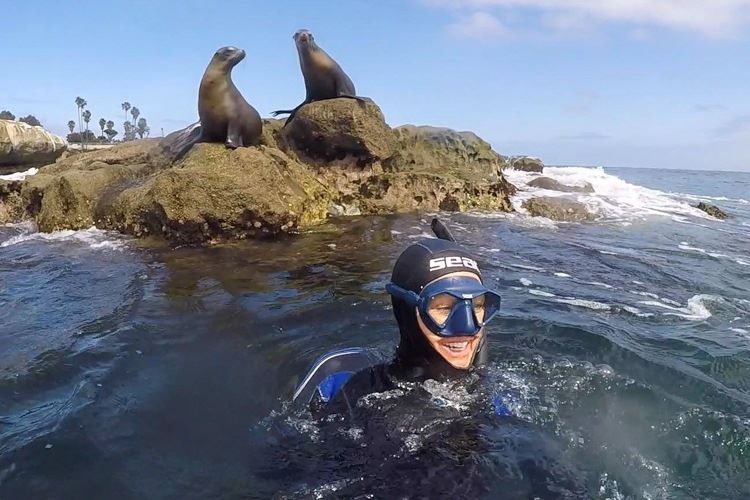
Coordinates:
x,y
367,381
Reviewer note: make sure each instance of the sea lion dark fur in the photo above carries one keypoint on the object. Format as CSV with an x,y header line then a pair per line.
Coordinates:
x,y
324,78
225,115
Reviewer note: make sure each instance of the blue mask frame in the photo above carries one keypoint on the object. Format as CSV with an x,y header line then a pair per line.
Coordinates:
x,y
462,320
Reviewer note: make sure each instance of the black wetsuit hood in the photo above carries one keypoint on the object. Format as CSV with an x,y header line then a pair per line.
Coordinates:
x,y
416,359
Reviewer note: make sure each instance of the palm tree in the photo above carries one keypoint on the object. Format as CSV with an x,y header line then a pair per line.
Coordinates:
x,y
102,123
136,113
86,118
143,128
71,125
128,131
125,106
111,132
81,103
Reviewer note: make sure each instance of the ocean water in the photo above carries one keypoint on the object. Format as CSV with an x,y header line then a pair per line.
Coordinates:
x,y
132,370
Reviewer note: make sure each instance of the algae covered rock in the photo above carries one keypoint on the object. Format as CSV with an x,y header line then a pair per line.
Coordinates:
x,y
336,128
410,191
75,192
554,185
526,163
11,203
23,144
434,149
559,209
214,192
335,158
712,210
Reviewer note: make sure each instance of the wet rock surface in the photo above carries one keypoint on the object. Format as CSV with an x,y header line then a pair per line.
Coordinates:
x,y
526,163
559,209
554,185
339,159
712,210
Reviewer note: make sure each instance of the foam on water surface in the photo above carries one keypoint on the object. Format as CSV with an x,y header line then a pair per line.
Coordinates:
x,y
613,199
94,238
19,176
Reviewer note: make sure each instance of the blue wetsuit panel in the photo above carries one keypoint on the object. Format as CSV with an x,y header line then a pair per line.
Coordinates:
x,y
332,384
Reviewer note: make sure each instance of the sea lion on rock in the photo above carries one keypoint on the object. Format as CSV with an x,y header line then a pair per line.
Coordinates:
x,y
225,115
324,78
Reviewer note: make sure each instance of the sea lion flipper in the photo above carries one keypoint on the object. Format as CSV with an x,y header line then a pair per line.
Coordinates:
x,y
234,136
361,100
292,113
281,112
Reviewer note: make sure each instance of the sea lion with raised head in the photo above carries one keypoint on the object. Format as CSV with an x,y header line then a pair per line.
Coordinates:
x,y
324,78
225,115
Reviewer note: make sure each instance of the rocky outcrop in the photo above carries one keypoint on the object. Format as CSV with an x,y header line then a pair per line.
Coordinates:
x,y
559,209
11,203
554,185
334,129
349,164
712,210
526,163
24,145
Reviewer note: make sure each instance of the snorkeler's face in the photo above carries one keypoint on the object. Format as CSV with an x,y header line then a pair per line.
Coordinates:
x,y
458,351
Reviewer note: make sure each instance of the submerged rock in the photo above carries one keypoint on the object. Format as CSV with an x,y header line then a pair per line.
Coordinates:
x,y
526,163
23,144
349,165
554,185
559,209
712,210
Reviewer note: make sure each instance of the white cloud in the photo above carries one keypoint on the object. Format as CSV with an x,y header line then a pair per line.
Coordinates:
x,y
714,18
478,25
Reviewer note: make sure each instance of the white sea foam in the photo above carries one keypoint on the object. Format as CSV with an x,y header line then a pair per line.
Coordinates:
x,y
541,293
93,237
695,310
613,200
525,282
589,304
598,283
528,268
19,176
739,330
562,275
685,246
645,294
637,312
700,197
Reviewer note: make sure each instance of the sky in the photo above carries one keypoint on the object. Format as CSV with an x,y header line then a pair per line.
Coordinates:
x,y
617,83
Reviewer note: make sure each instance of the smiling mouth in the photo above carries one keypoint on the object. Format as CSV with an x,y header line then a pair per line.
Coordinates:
x,y
457,348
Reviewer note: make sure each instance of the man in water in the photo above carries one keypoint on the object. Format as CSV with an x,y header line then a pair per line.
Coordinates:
x,y
425,414
441,306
